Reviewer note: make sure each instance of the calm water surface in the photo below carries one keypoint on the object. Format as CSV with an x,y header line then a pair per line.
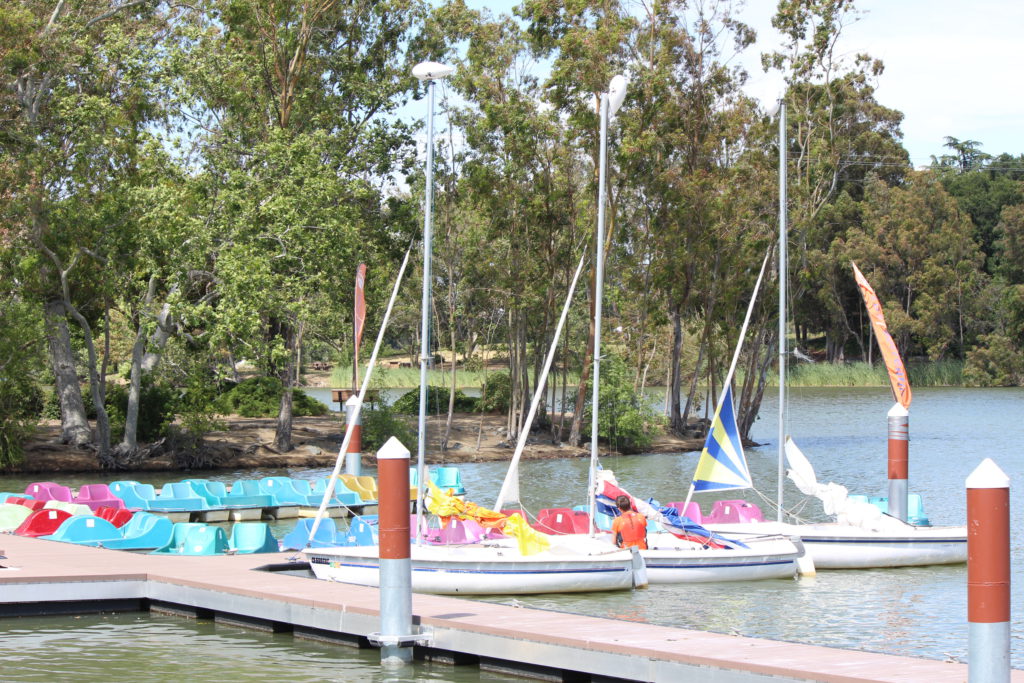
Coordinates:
x,y
156,647
911,611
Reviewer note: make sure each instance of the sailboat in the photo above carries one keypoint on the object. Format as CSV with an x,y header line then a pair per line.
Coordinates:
x,y
680,552
683,552
513,559
515,562
862,536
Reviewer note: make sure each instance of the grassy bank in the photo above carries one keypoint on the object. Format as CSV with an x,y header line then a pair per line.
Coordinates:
x,y
938,374
400,378
928,374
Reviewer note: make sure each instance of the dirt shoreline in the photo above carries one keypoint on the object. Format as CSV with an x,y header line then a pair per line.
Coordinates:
x,y
247,443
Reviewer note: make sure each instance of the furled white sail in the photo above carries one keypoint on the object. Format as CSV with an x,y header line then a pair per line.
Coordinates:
x,y
834,497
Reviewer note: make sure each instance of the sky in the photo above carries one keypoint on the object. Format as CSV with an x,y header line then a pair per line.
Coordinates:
x,y
950,66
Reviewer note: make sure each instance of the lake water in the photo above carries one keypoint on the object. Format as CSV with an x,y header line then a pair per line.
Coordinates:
x,y
911,611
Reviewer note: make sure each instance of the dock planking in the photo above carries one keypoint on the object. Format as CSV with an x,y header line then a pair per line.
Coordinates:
x,y
47,576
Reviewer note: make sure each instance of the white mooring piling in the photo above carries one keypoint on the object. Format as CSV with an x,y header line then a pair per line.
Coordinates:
x,y
395,637
899,460
988,574
354,421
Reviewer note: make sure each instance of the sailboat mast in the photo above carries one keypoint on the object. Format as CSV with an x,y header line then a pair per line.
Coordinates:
x,y
421,445
598,300
783,239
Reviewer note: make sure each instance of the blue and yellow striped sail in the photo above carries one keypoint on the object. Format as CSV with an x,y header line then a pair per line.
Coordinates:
x,y
722,465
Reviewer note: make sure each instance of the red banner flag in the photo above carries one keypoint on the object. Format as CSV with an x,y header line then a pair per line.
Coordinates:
x,y
360,313
891,355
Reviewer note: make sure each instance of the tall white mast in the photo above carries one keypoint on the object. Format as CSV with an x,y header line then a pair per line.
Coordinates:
x,y
782,297
609,104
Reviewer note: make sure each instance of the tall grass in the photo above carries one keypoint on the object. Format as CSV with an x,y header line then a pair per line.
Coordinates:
x,y
929,374
398,378
948,373
402,378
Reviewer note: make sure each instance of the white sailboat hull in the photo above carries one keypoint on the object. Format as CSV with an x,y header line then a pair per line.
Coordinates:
x,y
842,546
670,560
487,570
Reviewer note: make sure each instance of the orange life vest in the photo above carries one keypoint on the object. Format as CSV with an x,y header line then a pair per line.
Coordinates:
x,y
630,530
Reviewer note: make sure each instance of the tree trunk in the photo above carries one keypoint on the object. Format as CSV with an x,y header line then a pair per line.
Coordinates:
x,y
98,387
524,369
158,340
581,388
767,342
73,422
283,433
565,387
696,378
675,415
131,419
452,337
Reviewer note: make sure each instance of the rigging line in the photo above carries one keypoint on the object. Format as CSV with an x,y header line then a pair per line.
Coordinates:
x,y
329,489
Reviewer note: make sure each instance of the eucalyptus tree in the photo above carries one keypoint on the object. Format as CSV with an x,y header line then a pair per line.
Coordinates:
x,y
585,42
294,103
917,249
77,114
685,122
522,180
838,134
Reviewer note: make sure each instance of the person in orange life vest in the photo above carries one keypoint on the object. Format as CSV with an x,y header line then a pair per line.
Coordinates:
x,y
630,527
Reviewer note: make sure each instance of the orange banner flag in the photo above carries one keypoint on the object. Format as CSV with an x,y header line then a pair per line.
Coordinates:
x,y
891,355
360,312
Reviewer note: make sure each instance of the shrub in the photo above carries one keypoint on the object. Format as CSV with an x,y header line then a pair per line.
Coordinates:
x,y
157,405
261,397
197,405
497,393
379,424
20,401
437,402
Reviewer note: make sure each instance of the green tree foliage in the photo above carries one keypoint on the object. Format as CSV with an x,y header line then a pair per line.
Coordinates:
x,y
917,250
625,419
983,187
496,396
20,397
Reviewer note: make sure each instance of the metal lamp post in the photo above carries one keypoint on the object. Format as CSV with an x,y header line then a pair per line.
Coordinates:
x,y
429,72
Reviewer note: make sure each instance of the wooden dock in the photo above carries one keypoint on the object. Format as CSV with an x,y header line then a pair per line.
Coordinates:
x,y
44,577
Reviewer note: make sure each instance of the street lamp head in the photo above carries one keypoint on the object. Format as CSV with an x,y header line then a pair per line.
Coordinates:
x,y
616,94
431,71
